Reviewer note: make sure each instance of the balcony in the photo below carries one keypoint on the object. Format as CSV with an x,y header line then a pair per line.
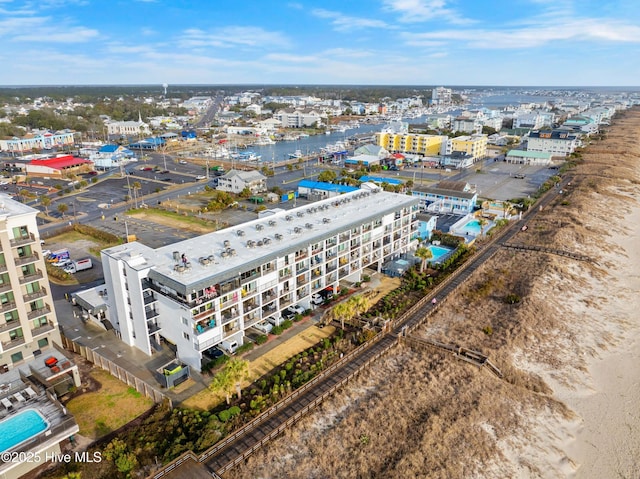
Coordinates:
x,y
3,268
14,343
301,256
249,306
29,278
149,298
9,325
8,306
42,329
41,293
204,326
228,332
23,240
35,313
151,313
22,260
227,317
285,274
204,314
153,327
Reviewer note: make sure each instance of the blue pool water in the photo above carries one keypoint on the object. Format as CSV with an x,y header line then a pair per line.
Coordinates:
x,y
402,262
20,427
472,227
438,252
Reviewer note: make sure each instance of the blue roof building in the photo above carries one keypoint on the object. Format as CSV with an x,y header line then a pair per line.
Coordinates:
x,y
316,190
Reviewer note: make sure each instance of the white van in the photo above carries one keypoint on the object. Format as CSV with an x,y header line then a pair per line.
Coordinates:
x,y
229,346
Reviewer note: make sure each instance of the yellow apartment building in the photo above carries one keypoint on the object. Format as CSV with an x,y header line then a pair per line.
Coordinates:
x,y
418,144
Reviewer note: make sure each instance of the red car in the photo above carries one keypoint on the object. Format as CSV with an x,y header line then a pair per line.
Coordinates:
x,y
147,168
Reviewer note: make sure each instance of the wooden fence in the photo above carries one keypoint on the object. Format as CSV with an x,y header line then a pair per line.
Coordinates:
x,y
117,371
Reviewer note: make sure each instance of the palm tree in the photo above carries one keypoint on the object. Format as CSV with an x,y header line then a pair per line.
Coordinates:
x,y
482,222
62,209
230,378
45,201
425,254
136,186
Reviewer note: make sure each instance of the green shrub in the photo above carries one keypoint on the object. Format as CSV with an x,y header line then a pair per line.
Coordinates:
x,y
512,298
262,339
277,330
244,348
286,324
224,416
488,330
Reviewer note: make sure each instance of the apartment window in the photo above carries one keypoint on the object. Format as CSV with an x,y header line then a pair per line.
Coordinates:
x,y
185,321
185,336
16,357
43,343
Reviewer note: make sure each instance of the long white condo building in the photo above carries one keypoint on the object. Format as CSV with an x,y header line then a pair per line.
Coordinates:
x,y
197,293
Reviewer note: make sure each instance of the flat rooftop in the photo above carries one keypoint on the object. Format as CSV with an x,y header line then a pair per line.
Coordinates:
x,y
221,255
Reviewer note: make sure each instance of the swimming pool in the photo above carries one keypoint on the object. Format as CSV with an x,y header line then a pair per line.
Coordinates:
x,y
20,427
438,253
472,227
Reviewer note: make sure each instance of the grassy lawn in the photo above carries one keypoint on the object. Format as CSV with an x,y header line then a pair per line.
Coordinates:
x,y
109,408
205,400
177,220
74,236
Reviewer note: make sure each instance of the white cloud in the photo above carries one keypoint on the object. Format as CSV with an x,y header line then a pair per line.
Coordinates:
x,y
415,11
344,22
576,29
68,35
233,36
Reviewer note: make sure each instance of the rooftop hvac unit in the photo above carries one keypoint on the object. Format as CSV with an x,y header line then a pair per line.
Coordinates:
x,y
224,254
278,236
240,233
259,227
250,244
297,229
227,243
260,243
176,256
309,210
288,218
326,220
232,252
309,226
210,258
179,268
266,240
272,222
300,214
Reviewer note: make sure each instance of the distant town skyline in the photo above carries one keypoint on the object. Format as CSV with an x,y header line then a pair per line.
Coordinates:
x,y
373,42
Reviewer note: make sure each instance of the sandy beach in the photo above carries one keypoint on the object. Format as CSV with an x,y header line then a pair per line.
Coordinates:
x,y
567,405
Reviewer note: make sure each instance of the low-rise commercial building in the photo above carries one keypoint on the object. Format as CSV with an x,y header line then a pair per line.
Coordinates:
x,y
207,291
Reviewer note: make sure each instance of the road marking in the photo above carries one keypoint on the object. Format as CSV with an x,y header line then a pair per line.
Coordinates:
x,y
76,338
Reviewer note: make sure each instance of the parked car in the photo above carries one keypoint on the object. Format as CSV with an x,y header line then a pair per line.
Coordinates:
x,y
519,176
183,162
263,326
62,263
291,311
213,353
200,177
321,296
277,321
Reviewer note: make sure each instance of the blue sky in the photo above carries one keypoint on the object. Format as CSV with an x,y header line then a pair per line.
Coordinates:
x,y
402,42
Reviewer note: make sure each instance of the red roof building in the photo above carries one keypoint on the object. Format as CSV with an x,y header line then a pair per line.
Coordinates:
x,y
56,166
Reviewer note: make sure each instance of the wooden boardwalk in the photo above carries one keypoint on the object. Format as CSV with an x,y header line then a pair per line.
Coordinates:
x,y
544,249
236,447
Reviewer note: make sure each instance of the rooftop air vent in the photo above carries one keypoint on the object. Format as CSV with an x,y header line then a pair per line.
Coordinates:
x,y
288,218
259,227
210,258
309,226
176,256
233,252
260,243
326,220
224,254
297,229
227,243
266,240
272,222
278,236
240,233
300,214
309,210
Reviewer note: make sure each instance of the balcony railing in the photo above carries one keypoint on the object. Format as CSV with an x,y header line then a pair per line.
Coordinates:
x,y
14,343
204,314
153,328
42,329
149,298
3,268
42,292
21,260
151,313
29,278
35,313
9,325
23,240
8,306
